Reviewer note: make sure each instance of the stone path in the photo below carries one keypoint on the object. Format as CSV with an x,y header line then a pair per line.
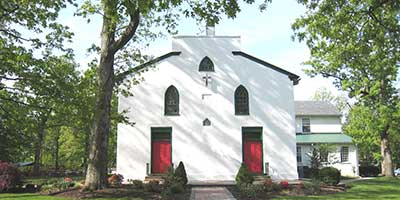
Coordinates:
x,y
211,193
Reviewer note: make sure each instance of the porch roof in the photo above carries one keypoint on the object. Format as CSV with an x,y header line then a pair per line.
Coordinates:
x,y
323,138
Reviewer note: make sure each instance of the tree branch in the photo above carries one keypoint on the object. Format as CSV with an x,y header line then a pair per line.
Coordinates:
x,y
129,31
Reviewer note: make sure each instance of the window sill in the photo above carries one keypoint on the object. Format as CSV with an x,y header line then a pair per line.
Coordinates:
x,y
171,115
237,114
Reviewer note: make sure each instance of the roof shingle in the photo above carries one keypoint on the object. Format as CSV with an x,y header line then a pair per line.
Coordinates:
x,y
322,108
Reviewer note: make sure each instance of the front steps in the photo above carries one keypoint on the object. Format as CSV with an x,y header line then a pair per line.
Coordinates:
x,y
154,177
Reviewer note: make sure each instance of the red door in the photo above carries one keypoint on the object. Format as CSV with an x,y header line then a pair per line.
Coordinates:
x,y
253,156
161,162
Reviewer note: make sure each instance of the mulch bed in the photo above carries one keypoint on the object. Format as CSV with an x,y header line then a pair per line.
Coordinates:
x,y
119,192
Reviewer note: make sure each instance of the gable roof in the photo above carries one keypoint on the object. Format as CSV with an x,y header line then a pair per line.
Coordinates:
x,y
293,77
120,77
323,138
310,108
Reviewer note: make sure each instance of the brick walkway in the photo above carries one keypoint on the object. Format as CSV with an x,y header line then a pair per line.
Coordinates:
x,y
211,193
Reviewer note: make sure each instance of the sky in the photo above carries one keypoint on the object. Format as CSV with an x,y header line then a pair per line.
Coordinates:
x,y
266,35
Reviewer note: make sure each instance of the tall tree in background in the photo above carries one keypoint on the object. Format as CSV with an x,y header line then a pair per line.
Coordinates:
x,y
357,43
339,101
125,25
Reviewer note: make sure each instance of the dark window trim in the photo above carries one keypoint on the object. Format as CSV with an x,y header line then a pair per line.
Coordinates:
x,y
203,68
247,106
166,112
342,154
302,125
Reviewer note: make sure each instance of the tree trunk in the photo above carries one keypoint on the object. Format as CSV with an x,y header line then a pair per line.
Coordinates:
x,y
96,174
38,151
387,166
56,152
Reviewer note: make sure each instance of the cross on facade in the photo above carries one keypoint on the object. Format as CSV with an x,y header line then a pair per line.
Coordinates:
x,y
207,79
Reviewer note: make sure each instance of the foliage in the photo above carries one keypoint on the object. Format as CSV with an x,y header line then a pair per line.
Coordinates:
x,y
268,185
284,184
172,184
319,155
152,186
250,190
115,179
330,175
356,43
369,170
244,176
10,177
339,101
180,172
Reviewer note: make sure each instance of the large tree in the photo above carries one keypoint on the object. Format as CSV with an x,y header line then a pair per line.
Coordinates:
x,y
357,43
125,24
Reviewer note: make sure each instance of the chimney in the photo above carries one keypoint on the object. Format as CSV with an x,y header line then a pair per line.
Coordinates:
x,y
210,29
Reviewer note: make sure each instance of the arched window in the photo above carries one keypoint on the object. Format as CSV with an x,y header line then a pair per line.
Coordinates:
x,y
206,65
241,101
171,106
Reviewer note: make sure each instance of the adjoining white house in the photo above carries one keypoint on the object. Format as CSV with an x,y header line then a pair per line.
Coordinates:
x,y
319,122
213,107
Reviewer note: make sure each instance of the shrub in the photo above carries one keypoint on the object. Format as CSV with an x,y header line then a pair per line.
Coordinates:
x,y
152,186
180,172
329,175
244,176
276,187
369,170
250,190
172,185
268,185
136,183
284,184
115,179
10,176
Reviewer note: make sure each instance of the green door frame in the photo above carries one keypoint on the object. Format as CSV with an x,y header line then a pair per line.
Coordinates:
x,y
252,130
162,130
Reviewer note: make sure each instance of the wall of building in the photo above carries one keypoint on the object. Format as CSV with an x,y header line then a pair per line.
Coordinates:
x,y
209,152
349,168
320,124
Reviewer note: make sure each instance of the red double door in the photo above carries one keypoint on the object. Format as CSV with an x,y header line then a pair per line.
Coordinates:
x,y
161,156
253,155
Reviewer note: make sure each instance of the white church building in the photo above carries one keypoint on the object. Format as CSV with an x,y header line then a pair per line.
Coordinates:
x,y
213,107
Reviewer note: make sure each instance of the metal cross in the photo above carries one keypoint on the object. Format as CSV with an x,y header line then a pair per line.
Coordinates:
x,y
207,79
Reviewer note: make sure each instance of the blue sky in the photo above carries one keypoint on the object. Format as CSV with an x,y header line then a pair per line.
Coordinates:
x,y
266,35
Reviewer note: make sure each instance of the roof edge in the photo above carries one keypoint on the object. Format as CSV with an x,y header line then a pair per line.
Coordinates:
x,y
120,77
293,77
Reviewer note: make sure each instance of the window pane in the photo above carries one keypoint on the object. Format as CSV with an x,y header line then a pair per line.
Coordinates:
x,y
306,125
298,153
241,101
171,101
344,154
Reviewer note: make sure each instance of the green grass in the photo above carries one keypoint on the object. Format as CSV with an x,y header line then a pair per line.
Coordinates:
x,y
34,196
380,188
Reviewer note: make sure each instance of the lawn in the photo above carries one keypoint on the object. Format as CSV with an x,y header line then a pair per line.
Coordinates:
x,y
34,196
380,188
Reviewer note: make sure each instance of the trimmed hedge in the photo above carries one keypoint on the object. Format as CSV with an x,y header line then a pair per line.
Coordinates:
x,y
329,175
180,172
369,170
